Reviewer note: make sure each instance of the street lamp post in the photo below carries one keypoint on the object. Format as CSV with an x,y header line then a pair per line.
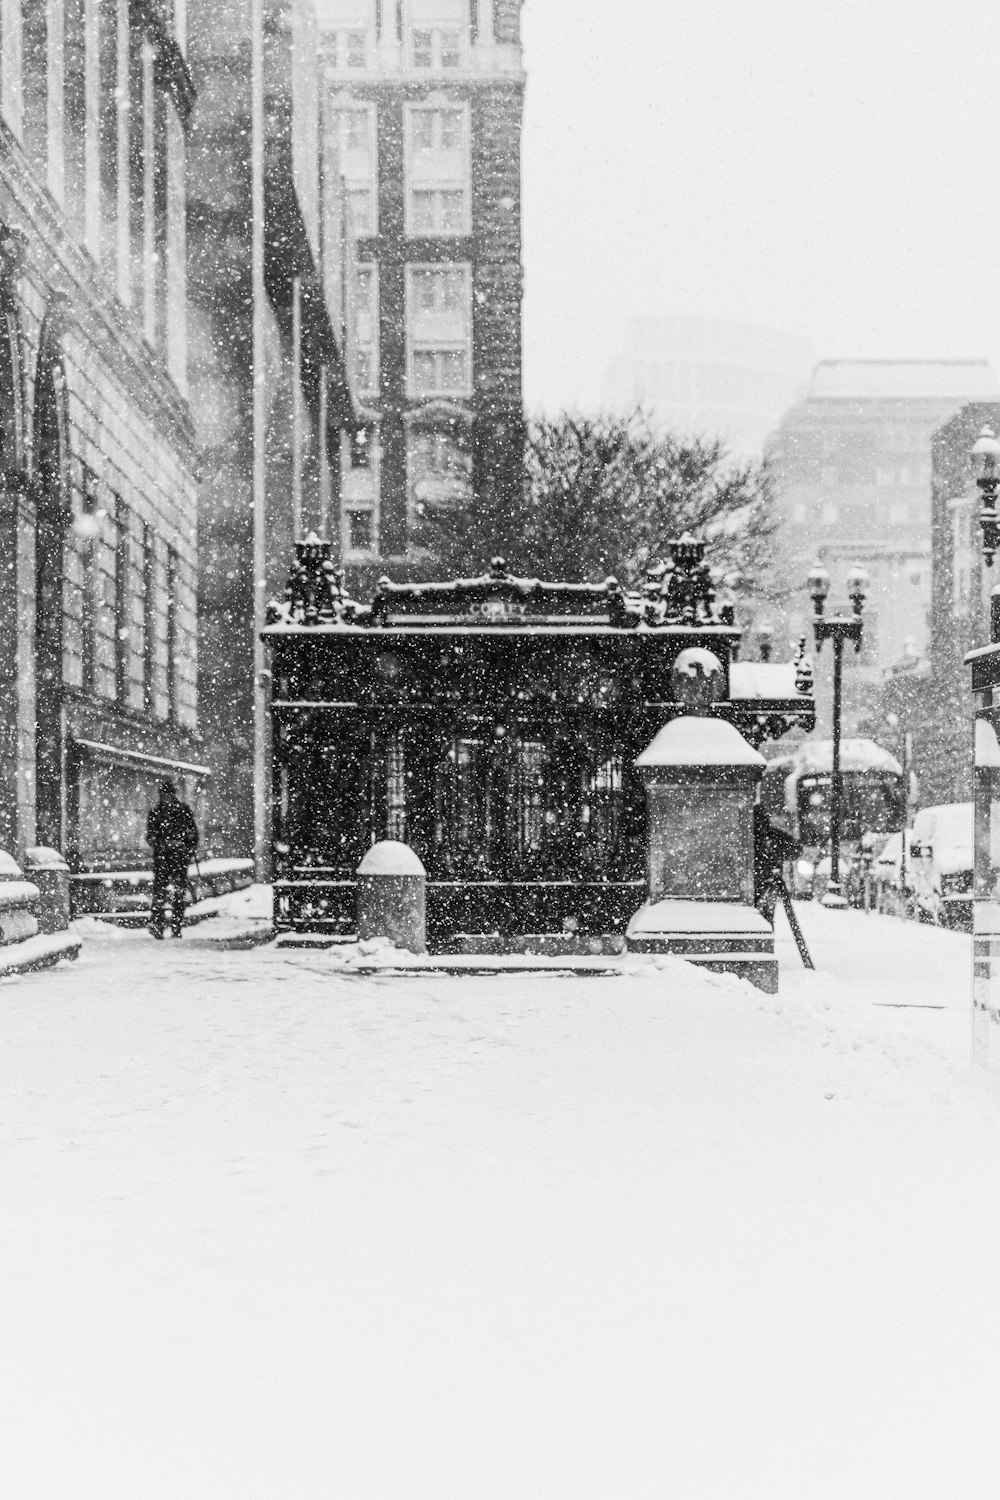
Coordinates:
x,y
837,628
986,454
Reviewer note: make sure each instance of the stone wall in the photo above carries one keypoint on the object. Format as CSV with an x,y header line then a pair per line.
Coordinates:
x,y
98,478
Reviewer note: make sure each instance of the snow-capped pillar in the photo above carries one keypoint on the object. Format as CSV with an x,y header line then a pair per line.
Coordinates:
x,y
700,776
47,869
392,887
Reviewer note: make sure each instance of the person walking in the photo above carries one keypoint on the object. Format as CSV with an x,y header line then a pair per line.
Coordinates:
x,y
771,849
172,833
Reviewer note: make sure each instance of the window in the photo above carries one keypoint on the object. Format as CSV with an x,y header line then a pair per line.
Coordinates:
x,y
435,47
439,327
349,47
360,460
360,531
605,807
160,642
122,605
359,211
450,45
358,151
439,470
529,804
471,818
438,170
135,620
93,593
361,449
366,368
389,785
11,66
962,555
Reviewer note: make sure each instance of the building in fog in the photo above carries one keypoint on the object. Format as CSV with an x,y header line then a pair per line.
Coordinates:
x,y
98,657
269,394
421,112
852,468
709,377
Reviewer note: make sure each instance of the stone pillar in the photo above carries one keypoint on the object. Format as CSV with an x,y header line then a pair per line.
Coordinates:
x,y
47,869
17,668
391,896
18,902
10,716
700,776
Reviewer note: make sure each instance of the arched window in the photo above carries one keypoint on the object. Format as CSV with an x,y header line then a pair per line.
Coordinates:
x,y
50,426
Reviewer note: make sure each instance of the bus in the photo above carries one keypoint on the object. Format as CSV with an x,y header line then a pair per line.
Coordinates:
x,y
796,793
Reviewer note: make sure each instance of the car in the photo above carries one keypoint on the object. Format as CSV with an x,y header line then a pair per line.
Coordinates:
x,y
821,874
893,885
941,860
799,877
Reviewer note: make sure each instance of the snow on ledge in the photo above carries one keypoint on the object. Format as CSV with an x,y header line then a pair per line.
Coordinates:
x,y
722,917
389,857
695,741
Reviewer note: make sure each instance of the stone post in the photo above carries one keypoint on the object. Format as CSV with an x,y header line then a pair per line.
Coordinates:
x,y
391,896
47,869
700,776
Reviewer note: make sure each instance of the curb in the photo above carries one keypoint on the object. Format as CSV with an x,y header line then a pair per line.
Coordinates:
x,y
38,952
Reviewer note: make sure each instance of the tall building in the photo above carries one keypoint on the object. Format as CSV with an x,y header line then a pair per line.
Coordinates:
x,y
852,469
269,391
709,377
98,653
421,112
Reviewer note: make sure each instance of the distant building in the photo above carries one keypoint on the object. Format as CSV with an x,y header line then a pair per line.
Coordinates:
x,y
421,112
707,376
852,467
98,533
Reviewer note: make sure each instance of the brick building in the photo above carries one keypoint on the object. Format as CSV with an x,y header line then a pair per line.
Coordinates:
x,y
852,470
421,113
961,587
98,660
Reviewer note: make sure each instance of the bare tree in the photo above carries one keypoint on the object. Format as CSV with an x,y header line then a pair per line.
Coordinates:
x,y
604,495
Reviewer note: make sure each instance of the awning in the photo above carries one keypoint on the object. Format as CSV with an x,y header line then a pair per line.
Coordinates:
x,y
158,763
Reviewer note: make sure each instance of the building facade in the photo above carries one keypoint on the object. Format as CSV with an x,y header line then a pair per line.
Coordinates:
x,y
852,471
270,400
709,377
421,112
98,652
960,606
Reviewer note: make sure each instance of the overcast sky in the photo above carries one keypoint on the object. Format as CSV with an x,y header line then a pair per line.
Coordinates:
x,y
825,167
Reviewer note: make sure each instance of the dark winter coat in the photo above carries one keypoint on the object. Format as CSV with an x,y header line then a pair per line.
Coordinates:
x,y
771,848
172,830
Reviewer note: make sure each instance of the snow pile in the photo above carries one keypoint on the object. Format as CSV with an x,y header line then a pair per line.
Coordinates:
x,y
270,1229
815,758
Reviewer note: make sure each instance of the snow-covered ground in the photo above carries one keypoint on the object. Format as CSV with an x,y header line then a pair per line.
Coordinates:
x,y
268,1229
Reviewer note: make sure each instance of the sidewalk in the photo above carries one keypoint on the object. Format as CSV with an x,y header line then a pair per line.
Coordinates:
x,y
273,1229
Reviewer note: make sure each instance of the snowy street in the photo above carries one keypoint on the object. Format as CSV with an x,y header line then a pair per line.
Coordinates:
x,y
271,1230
